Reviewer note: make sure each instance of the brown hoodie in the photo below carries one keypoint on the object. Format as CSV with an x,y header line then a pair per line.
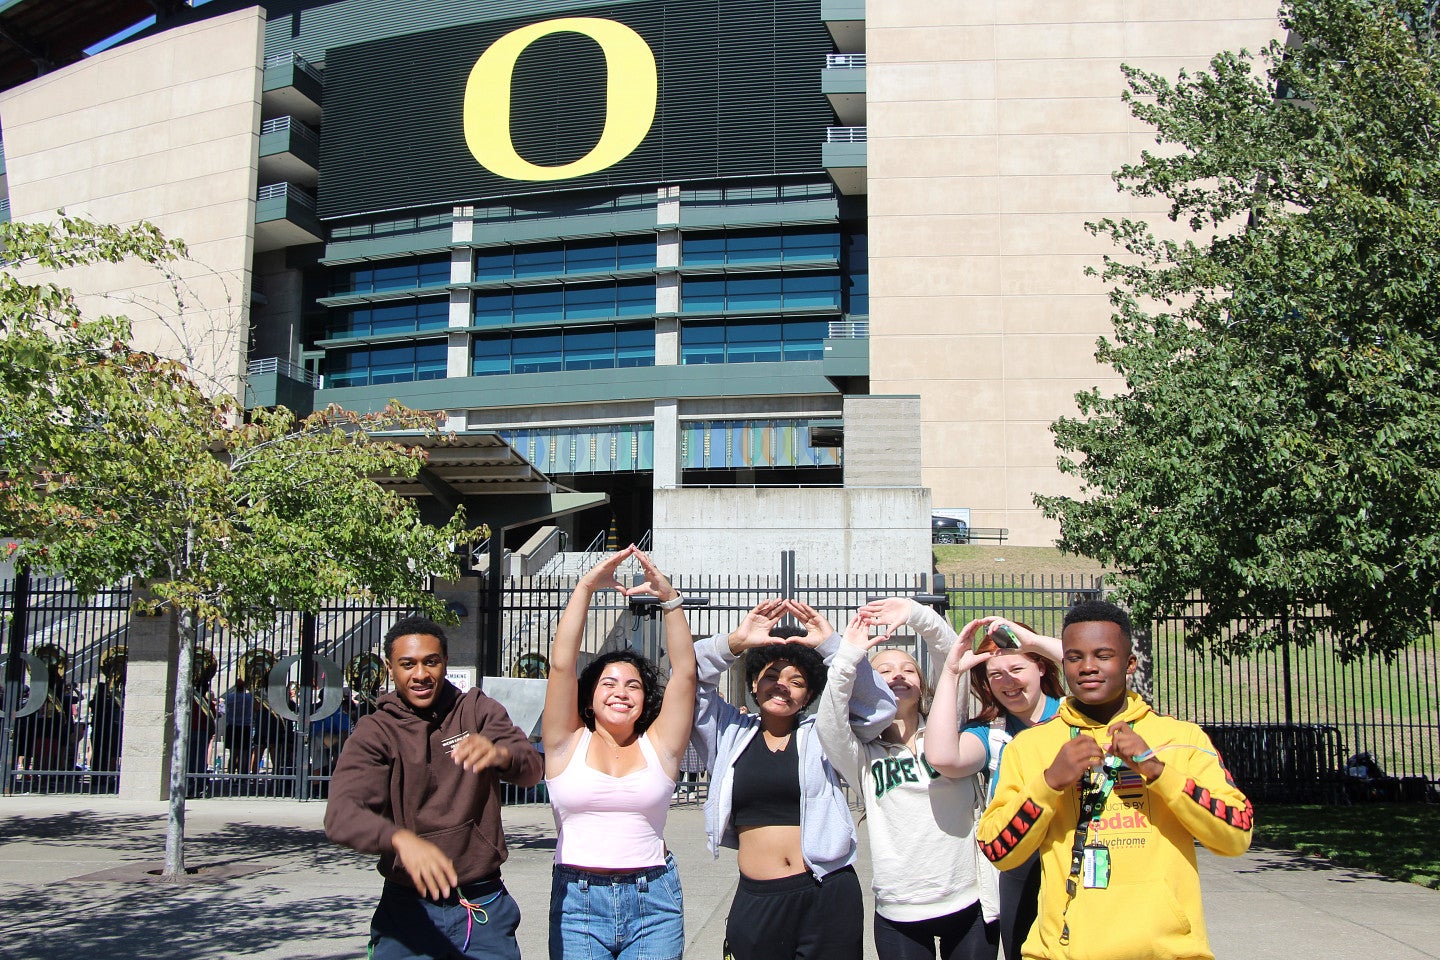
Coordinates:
x,y
396,773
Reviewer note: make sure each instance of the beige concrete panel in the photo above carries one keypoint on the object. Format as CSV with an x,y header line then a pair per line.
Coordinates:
x,y
1214,10
938,42
1185,39
881,16
935,196
937,116
1044,400
1058,79
913,359
1060,41
1073,11
980,486
1058,233
936,156
1029,443
1062,275
1080,196
974,394
1088,313
1072,153
1056,356
935,236
946,276
198,95
1092,115
902,316
908,81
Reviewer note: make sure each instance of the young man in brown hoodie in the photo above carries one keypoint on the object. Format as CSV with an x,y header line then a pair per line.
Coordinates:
x,y
418,782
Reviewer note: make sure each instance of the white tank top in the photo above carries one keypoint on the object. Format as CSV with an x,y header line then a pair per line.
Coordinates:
x,y
610,823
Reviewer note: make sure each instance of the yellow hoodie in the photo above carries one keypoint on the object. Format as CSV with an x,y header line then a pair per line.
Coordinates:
x,y
1151,909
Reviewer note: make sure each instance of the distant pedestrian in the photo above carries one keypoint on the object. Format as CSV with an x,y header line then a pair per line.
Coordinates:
x,y
418,782
240,717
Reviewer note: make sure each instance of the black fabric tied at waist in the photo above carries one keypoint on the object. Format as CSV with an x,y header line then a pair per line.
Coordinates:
x,y
473,891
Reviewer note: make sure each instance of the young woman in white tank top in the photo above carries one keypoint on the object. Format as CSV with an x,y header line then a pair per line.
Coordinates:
x,y
612,752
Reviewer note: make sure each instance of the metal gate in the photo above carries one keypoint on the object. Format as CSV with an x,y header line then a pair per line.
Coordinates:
x,y
64,686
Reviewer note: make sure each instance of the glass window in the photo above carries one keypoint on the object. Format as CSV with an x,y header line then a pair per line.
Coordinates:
x,y
434,273
490,355
396,277
753,293
589,303
636,252
392,364
493,307
393,318
804,339
752,248
698,296
536,352
635,347
809,290
703,249
809,245
702,343
494,264
590,257
347,368
590,349
753,342
535,305
635,298
539,261
432,315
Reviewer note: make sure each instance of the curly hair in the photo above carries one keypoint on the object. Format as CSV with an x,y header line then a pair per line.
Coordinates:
x,y
1090,611
421,626
798,655
980,679
651,688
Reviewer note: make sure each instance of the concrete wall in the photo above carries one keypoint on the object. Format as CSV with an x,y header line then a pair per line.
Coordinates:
x,y
742,531
165,129
993,131
882,441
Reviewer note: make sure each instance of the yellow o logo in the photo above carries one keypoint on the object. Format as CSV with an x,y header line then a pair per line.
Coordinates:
x,y
631,92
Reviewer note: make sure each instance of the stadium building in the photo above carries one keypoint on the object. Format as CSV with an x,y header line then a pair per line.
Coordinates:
x,y
752,275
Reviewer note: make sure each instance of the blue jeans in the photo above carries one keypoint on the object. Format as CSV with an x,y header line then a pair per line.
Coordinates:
x,y
408,925
630,916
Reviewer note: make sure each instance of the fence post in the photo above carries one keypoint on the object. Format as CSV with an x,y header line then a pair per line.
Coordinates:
x,y
14,670
153,644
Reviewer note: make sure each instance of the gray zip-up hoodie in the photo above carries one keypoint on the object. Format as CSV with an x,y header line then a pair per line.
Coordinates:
x,y
721,733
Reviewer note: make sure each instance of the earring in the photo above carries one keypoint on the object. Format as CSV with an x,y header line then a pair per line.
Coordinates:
x,y
588,713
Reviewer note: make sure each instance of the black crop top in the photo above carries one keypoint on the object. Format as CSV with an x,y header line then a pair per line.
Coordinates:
x,y
767,786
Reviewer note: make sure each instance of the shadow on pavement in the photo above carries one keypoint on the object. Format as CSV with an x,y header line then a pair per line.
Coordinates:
x,y
1268,859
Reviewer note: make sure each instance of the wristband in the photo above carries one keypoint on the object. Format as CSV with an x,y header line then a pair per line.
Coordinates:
x,y
1142,757
672,603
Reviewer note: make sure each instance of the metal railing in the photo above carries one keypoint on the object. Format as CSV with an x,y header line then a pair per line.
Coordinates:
x,y
283,124
273,191
845,61
849,330
845,134
291,57
275,365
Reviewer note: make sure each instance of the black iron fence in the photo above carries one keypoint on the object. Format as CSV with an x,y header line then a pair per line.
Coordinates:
x,y
1291,723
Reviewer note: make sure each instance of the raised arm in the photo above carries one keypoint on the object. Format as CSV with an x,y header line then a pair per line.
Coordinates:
x,y
561,717
842,746
671,730
1030,641
872,705
950,750
713,657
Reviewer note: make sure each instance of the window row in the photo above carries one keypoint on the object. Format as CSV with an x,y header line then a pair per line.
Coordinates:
x,y
759,341
546,351
574,256
410,316
589,301
751,247
772,292
398,275
391,363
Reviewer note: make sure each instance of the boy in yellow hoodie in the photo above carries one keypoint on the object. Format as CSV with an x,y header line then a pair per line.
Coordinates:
x,y
1113,796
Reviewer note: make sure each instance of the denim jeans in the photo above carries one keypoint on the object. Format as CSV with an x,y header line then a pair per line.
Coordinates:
x,y
408,925
632,916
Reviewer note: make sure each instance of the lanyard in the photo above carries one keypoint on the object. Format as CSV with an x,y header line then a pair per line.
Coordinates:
x,y
1094,792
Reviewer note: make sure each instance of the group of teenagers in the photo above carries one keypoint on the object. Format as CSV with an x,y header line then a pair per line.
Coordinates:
x,y
1003,818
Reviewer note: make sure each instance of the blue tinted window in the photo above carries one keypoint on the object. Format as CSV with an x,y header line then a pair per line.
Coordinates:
x,y
812,291
753,293
536,352
752,248
589,303
391,275
636,252
808,245
635,298
494,264
635,347
703,249
430,361
490,356
535,305
496,307
590,349
590,257
539,261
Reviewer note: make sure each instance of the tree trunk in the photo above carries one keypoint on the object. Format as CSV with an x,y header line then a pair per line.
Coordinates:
x,y
175,828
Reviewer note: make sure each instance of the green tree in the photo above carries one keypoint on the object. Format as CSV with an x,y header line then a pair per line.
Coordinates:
x,y
115,463
1276,443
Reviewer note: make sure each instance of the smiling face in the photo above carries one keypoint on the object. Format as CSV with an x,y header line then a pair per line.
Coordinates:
x,y
619,696
1014,681
417,668
901,674
781,689
1098,663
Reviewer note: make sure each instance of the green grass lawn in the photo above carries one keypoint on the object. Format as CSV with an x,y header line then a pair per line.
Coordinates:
x,y
1391,839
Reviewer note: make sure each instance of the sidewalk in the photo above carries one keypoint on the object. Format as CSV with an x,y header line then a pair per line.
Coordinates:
x,y
271,886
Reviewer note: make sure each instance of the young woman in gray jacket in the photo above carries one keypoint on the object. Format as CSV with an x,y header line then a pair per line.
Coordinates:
x,y
774,796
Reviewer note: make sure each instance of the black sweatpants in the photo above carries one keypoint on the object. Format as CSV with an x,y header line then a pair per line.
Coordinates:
x,y
797,918
1019,903
963,935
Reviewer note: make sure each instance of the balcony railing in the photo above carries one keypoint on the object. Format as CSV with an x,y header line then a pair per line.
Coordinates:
x,y
849,330
845,134
274,191
290,56
845,61
282,124
274,365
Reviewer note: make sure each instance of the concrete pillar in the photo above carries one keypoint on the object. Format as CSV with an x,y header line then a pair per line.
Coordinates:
x,y
153,645
464,597
462,270
882,441
667,444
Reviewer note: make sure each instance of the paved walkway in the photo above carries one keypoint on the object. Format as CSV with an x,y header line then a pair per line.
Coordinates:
x,y
73,883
